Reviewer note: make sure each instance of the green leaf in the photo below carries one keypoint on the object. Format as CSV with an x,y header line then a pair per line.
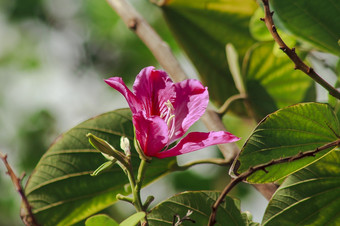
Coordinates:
x,y
288,132
133,219
271,80
248,219
200,203
317,21
61,190
99,220
203,28
258,28
309,196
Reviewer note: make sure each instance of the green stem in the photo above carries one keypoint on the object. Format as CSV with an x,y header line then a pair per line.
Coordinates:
x,y
136,195
141,173
136,186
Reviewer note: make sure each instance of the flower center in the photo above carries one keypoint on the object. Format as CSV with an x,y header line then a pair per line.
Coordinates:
x,y
169,118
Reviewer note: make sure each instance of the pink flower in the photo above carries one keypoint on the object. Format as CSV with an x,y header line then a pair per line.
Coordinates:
x,y
163,111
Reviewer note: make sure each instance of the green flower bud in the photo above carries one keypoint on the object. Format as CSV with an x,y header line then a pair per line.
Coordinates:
x,y
104,147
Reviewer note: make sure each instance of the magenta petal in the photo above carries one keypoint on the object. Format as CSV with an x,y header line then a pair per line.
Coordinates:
x,y
191,102
198,140
154,88
118,84
151,132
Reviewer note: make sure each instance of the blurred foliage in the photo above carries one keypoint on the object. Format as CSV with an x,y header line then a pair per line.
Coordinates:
x,y
35,135
21,10
106,45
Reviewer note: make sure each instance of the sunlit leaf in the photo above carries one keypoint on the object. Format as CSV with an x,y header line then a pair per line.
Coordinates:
x,y
200,203
258,28
203,28
317,21
271,80
285,133
309,196
61,190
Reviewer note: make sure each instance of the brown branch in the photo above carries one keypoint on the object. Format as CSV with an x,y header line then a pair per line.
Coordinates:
x,y
251,170
167,60
299,64
27,217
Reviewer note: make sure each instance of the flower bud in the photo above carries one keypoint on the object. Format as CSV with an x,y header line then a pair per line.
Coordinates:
x,y
104,147
125,146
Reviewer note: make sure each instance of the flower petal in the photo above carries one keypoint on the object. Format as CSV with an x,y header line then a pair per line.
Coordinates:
x,y
118,84
154,88
198,140
191,101
151,132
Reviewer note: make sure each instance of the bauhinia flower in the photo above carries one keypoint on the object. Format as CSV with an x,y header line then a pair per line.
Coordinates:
x,y
163,111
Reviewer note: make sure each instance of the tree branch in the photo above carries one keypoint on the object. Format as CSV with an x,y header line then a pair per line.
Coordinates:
x,y
299,64
251,170
27,217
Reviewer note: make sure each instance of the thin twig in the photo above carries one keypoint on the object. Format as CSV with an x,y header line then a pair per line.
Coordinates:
x,y
251,170
215,161
167,60
225,107
27,217
299,64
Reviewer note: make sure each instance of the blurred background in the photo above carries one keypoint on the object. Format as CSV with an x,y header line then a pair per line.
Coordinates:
x,y
53,60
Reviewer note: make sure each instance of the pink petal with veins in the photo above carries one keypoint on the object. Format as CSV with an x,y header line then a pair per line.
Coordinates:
x,y
118,84
198,140
191,101
154,88
151,132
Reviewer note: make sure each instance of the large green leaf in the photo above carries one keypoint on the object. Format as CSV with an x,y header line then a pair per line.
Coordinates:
x,y
310,196
61,190
203,28
288,132
200,203
271,80
317,21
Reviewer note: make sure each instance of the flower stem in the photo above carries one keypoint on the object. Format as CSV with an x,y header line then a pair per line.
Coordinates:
x,y
141,173
136,186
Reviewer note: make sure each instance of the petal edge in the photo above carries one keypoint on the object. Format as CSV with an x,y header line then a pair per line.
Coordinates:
x,y
197,140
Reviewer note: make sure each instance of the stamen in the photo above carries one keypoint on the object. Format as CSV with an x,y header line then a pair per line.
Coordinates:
x,y
172,130
169,105
169,118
